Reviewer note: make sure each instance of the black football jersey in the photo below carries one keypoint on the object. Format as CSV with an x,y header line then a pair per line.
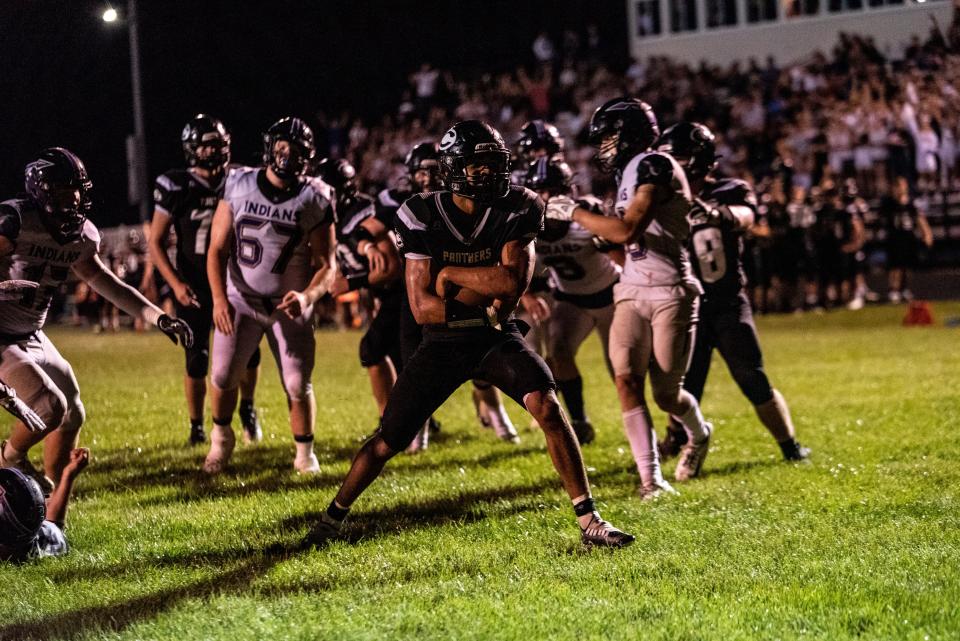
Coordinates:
x,y
190,203
387,203
716,249
349,216
899,218
431,226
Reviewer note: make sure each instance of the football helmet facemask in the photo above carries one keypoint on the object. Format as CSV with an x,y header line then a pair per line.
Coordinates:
x,y
620,129
58,183
692,145
474,161
288,161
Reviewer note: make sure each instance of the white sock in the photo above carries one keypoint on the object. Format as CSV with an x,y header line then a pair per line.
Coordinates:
x,y
10,455
692,421
304,450
638,427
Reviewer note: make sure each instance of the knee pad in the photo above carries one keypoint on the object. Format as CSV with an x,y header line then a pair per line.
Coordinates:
x,y
754,384
297,388
254,361
198,361
74,417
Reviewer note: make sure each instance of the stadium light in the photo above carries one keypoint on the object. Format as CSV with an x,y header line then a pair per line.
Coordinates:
x,y
110,15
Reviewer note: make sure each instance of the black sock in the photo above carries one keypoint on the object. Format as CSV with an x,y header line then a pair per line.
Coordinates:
x,y
196,422
308,438
336,512
246,405
788,446
572,391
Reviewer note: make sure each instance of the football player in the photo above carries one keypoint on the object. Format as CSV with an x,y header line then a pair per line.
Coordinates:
x,y
423,167
367,257
31,527
270,259
43,236
584,271
186,199
654,319
468,251
538,139
723,210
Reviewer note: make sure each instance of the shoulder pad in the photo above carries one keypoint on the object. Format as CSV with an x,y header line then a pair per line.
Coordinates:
x,y
654,169
10,219
319,187
386,198
171,180
414,213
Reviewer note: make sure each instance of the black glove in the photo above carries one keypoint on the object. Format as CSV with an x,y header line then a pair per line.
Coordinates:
x,y
175,328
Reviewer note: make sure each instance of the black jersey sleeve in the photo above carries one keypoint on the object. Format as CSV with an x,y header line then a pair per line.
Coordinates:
x,y
9,221
735,193
526,222
411,228
166,193
654,169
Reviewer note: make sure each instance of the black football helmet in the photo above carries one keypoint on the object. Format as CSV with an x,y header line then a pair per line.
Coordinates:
x,y
620,129
424,167
536,136
58,184
294,131
339,174
201,131
22,509
474,143
551,176
693,145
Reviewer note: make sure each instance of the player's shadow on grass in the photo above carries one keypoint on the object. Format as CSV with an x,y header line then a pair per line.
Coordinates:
x,y
468,507
737,467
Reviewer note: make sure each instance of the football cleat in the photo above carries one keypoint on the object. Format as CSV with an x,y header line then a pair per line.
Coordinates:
x,y
584,431
197,435
794,452
307,464
252,431
672,442
692,456
324,531
25,466
656,490
222,442
503,426
602,534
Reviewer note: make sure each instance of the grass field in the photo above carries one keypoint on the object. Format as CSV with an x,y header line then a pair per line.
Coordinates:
x,y
474,539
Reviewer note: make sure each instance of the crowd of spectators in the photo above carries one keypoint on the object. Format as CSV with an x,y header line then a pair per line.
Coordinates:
x,y
849,122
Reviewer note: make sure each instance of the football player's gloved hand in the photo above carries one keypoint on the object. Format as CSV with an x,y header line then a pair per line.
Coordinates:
x,y
175,328
561,208
703,213
10,402
15,289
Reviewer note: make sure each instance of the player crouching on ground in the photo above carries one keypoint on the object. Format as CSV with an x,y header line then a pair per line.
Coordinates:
x,y
29,526
723,209
43,236
271,258
468,252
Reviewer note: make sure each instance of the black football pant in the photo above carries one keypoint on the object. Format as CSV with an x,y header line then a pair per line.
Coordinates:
x,y
726,324
441,364
382,338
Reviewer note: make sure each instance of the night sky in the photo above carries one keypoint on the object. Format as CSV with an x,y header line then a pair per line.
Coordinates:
x,y
65,78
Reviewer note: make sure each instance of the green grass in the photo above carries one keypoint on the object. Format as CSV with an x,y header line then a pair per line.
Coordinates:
x,y
474,539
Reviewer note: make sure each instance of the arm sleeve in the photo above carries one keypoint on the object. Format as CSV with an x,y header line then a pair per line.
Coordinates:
x,y
411,234
164,195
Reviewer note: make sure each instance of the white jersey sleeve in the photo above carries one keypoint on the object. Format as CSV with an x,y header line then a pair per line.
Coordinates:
x,y
38,257
659,259
271,254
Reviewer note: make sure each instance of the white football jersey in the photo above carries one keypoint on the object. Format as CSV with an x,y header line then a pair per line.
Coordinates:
x,y
270,254
659,259
37,257
575,263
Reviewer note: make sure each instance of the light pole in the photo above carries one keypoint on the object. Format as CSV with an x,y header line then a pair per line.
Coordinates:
x,y
138,190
